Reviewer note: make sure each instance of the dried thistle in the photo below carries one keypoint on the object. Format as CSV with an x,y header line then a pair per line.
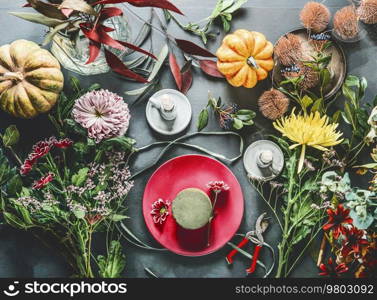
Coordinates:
x,y
367,11
346,23
288,49
273,104
315,16
310,76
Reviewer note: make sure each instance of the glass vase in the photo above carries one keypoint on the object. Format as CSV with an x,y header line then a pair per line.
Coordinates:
x,y
72,49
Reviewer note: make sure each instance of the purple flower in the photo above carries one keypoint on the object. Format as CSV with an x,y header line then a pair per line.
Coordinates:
x,y
217,186
160,211
103,113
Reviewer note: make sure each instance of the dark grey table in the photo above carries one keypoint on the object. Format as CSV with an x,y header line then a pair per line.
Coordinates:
x,y
24,256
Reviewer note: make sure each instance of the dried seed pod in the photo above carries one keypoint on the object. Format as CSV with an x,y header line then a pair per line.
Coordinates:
x,y
346,23
367,11
315,16
310,77
273,104
288,49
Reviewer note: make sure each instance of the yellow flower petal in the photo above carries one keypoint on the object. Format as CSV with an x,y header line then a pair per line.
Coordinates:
x,y
311,130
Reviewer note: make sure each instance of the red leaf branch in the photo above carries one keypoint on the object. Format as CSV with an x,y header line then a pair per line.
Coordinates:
x,y
133,47
109,12
98,34
187,79
117,66
144,3
210,67
94,50
193,49
175,70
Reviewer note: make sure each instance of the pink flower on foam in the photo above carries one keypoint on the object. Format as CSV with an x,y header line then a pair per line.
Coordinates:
x,y
104,114
160,211
218,186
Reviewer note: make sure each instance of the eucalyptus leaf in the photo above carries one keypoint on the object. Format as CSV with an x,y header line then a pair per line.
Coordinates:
x,y
237,124
136,62
139,90
352,81
37,18
203,119
348,93
363,87
11,136
325,77
14,185
317,106
348,114
159,63
306,101
235,6
336,116
49,37
143,34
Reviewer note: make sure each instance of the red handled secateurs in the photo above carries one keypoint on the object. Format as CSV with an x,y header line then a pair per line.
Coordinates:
x,y
254,236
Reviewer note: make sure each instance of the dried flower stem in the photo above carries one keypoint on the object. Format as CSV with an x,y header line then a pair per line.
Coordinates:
x,y
321,251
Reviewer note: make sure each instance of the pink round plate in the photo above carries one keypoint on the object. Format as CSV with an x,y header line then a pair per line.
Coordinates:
x,y
193,171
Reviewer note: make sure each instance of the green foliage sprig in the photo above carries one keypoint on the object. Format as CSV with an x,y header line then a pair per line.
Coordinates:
x,y
309,100
223,11
230,116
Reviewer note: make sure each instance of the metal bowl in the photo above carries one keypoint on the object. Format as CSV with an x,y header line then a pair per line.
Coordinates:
x,y
337,66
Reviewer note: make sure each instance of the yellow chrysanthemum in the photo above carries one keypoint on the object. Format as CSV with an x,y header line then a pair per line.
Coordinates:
x,y
309,130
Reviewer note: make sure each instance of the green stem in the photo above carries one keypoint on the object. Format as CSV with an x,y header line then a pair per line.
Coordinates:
x,y
282,246
302,252
260,192
211,218
89,272
15,155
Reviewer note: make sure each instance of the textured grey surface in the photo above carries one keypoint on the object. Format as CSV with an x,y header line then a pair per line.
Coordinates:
x,y
24,256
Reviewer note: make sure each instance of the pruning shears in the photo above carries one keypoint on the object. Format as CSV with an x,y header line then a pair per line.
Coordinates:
x,y
254,236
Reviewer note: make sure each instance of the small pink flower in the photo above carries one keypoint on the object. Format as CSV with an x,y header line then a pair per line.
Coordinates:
x,y
63,144
26,167
160,211
40,149
218,186
43,181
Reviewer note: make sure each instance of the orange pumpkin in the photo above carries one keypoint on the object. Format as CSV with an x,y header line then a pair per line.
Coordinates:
x,y
30,79
245,57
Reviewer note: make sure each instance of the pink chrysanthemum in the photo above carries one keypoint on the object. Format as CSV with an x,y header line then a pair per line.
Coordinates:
x,y
43,181
218,186
104,114
160,211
